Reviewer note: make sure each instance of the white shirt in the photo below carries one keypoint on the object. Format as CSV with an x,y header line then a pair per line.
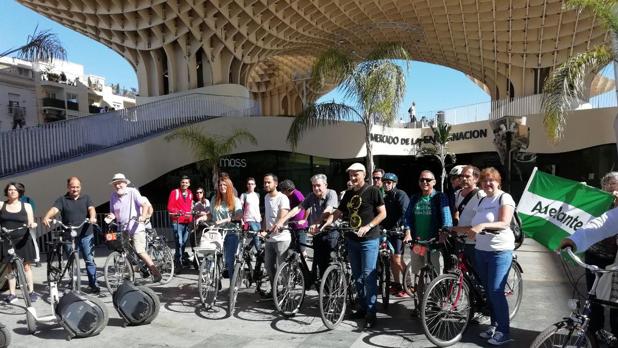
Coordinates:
x,y
488,210
272,206
251,207
465,218
596,230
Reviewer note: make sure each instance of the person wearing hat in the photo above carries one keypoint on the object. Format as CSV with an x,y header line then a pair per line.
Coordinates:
x,y
396,202
453,175
125,205
363,207
73,208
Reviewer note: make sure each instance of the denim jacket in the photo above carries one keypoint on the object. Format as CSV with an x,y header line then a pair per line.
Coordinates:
x,y
440,213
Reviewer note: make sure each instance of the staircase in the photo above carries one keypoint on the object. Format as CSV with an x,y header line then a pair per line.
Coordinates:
x,y
31,148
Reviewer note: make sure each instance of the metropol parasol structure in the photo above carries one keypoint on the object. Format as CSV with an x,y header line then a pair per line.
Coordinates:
x,y
507,47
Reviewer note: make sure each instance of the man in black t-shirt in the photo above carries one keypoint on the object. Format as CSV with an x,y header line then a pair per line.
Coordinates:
x,y
363,207
73,208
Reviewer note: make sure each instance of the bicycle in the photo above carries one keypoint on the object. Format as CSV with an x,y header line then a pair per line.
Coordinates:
x,y
244,272
293,278
414,284
161,254
57,266
337,290
211,249
572,331
120,263
17,266
451,299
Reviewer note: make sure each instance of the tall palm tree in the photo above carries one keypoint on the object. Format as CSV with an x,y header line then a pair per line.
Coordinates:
x,y
566,85
439,147
210,149
41,46
373,82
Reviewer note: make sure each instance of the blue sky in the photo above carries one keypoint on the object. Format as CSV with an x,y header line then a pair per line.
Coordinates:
x,y
432,87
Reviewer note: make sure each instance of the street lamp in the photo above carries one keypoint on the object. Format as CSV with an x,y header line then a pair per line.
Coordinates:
x,y
510,135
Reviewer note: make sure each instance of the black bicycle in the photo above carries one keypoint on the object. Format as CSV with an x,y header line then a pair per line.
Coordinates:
x,y
17,266
293,278
61,269
415,283
337,291
573,331
386,251
246,272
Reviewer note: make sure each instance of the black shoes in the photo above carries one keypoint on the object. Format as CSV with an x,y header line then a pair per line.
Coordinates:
x,y
358,315
94,290
370,321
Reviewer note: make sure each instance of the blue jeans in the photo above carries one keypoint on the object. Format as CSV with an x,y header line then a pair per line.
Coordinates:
x,y
363,260
85,246
230,245
181,234
493,269
255,227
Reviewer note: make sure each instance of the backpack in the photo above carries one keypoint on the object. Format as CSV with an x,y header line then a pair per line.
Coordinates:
x,y
81,315
137,305
515,226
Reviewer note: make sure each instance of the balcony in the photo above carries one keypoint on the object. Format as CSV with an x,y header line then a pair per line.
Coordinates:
x,y
53,103
72,105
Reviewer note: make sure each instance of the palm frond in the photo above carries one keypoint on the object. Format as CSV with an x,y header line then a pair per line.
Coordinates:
x,y
566,86
332,66
203,146
41,46
442,133
604,9
389,50
232,141
317,115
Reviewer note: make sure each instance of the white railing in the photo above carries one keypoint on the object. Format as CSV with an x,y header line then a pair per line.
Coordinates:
x,y
35,147
522,106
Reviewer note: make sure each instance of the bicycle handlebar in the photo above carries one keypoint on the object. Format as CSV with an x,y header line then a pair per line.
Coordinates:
x,y
69,227
427,242
591,268
10,230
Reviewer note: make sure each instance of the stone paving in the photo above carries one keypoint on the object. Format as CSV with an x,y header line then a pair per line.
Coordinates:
x,y
183,323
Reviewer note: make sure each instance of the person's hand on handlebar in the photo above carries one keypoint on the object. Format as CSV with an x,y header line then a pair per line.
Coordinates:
x,y
92,221
33,225
566,243
407,236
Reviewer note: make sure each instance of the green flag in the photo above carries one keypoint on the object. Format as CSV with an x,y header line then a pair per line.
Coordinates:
x,y
552,207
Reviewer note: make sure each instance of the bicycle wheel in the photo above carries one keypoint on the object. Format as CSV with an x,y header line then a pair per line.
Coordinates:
x,y
54,265
446,310
23,285
208,282
333,296
164,260
289,288
235,284
514,290
426,275
409,281
75,274
384,279
117,268
562,334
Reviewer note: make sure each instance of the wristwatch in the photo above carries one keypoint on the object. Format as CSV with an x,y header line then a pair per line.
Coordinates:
x,y
371,225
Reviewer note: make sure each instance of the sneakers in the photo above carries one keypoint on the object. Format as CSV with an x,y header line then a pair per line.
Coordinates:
x,y
395,289
94,290
33,296
489,333
499,339
10,299
481,319
402,293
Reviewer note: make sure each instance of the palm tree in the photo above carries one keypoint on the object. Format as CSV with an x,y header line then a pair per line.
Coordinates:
x,y
41,46
210,149
374,82
439,147
566,85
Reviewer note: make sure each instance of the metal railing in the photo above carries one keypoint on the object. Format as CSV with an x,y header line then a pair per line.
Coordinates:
x,y
521,106
35,147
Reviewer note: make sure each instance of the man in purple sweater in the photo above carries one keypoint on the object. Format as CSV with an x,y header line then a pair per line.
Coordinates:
x,y
297,223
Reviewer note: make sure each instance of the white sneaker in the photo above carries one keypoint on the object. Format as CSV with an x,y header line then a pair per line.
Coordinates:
x,y
489,333
499,339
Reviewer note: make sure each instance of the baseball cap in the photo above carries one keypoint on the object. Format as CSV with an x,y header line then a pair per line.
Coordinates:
x,y
356,167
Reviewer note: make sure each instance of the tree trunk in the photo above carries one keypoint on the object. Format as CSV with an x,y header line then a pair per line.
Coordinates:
x,y
215,176
369,148
442,162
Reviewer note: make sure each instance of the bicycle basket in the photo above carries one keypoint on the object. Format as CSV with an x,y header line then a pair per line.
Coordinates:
x,y
211,241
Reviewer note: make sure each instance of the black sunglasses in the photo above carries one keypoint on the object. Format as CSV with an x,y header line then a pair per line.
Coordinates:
x,y
425,180
377,178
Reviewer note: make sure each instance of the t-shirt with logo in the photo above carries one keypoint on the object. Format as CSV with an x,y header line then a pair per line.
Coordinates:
x,y
422,217
488,210
371,199
272,206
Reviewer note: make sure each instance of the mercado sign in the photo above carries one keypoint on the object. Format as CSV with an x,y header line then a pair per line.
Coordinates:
x,y
427,139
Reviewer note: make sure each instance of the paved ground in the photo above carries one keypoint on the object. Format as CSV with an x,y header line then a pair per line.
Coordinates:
x,y
182,323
